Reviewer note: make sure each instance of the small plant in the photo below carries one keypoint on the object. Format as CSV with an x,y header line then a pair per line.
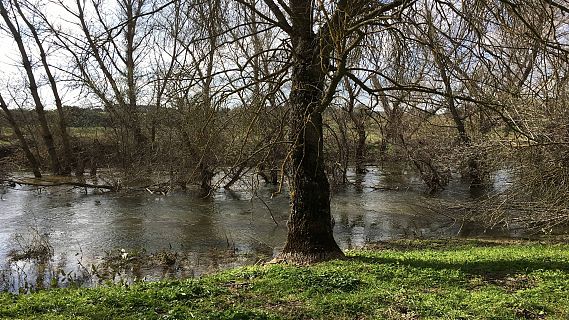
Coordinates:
x,y
34,245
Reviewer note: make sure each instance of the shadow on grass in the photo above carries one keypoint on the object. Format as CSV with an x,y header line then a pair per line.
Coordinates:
x,y
493,269
447,244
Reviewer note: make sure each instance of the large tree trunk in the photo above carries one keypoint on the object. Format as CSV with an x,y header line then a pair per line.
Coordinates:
x,y
310,225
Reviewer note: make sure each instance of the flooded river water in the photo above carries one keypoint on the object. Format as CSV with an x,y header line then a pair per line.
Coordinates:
x,y
189,235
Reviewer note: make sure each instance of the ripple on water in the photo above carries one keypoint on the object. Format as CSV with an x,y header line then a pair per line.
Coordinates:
x,y
230,228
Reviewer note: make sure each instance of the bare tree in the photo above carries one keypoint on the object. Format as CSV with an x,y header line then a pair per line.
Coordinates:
x,y
322,36
16,33
107,43
67,154
34,164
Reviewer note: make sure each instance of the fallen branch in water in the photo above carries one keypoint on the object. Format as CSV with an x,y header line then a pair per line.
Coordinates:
x,y
40,183
387,188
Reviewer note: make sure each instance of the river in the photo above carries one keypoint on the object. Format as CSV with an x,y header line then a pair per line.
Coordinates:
x,y
184,235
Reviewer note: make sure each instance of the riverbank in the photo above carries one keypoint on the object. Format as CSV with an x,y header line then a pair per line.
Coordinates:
x,y
466,279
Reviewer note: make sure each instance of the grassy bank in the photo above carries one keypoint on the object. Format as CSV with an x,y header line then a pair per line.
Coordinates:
x,y
400,280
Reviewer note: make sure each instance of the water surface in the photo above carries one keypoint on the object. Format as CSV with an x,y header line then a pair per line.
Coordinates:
x,y
228,229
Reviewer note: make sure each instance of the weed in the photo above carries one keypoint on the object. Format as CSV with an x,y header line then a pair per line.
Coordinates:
x,y
34,245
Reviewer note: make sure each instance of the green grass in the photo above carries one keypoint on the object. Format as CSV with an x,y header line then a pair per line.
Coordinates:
x,y
403,280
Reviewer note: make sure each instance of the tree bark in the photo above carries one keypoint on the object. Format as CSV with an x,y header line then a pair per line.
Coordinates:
x,y
133,9
67,156
46,133
310,225
359,123
474,170
360,146
23,143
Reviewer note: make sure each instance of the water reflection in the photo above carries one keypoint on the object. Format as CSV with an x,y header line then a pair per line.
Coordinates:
x,y
231,228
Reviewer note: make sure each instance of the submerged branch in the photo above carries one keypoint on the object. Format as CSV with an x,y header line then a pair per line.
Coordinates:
x,y
44,183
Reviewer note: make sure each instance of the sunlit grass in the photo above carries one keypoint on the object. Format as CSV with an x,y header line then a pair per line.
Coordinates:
x,y
403,280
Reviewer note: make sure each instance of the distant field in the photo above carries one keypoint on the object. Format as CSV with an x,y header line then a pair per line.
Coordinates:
x,y
87,132
7,132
